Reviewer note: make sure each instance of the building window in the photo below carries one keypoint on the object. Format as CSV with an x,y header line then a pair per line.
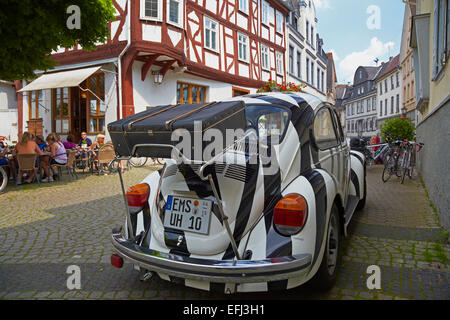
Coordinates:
x,y
151,9
190,93
397,80
291,60
381,88
318,79
385,106
307,70
299,64
264,57
174,11
368,105
294,21
60,106
441,36
322,82
374,104
211,34
279,57
242,47
385,86
392,104
279,22
312,37
97,109
35,104
307,31
243,5
353,108
312,73
392,82
265,12
397,109
239,92
381,108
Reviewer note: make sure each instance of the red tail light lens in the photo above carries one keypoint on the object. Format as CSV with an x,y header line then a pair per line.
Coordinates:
x,y
116,261
290,213
137,195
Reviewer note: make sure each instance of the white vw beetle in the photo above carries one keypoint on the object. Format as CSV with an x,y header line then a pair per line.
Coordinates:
x,y
243,226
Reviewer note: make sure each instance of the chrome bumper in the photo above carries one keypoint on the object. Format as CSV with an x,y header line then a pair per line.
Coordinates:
x,y
221,271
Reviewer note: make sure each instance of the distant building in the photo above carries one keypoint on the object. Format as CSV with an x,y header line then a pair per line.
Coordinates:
x,y
8,110
430,41
360,103
306,59
331,79
389,90
406,65
341,90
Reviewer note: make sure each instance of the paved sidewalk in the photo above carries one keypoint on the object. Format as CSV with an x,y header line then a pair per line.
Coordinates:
x,y
44,230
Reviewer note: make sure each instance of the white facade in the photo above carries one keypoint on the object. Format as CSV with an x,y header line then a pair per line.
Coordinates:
x,y
148,94
8,111
389,96
306,61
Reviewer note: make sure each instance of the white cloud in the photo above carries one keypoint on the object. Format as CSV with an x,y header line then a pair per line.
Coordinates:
x,y
322,4
376,49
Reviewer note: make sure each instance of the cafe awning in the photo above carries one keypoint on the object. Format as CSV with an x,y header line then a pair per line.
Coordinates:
x,y
62,79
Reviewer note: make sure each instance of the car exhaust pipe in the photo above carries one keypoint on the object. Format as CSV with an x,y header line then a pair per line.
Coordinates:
x,y
145,275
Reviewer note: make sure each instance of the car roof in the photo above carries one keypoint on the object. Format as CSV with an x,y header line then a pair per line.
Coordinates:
x,y
289,97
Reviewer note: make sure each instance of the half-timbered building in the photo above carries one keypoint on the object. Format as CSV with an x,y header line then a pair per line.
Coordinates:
x,y
159,52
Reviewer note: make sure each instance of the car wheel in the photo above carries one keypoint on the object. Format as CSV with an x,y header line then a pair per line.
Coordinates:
x,y
325,278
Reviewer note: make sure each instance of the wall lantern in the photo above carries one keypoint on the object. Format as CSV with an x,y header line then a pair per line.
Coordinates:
x,y
404,110
158,77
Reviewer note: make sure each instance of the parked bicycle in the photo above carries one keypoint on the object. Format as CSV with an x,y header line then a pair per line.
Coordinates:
x,y
141,161
391,161
408,158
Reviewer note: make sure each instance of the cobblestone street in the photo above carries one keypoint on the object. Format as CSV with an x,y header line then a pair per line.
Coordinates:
x,y
45,229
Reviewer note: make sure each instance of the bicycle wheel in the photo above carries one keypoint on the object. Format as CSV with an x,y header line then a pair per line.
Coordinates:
x,y
398,164
388,169
3,179
405,166
138,162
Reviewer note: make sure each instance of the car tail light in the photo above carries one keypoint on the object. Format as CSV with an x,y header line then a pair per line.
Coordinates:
x,y
137,195
116,261
290,213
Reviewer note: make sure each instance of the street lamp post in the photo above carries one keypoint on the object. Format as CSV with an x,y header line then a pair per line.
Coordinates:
x,y
404,110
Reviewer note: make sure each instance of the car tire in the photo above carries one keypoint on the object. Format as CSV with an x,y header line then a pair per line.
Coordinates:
x,y
362,202
325,277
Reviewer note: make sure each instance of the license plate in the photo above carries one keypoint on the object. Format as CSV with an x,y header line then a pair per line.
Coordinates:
x,y
188,214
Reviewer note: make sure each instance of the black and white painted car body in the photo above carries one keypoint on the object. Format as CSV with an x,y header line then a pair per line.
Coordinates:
x,y
207,261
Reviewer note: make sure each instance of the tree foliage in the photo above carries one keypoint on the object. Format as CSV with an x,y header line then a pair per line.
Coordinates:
x,y
31,29
398,128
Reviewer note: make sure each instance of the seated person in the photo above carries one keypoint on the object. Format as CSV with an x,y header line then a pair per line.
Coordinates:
x,y
41,142
69,144
58,155
96,146
26,145
85,142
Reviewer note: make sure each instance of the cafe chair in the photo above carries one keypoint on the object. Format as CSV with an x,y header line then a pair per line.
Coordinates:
x,y
27,162
69,165
105,155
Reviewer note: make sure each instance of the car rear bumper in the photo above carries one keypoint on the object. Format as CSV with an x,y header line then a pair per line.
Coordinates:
x,y
220,271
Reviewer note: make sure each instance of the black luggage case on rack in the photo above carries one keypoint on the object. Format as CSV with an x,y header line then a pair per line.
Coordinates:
x,y
156,125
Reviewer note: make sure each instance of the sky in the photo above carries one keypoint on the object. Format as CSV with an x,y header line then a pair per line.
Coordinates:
x,y
359,31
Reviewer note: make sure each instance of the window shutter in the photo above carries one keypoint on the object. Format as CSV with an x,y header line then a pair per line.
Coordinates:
x,y
435,39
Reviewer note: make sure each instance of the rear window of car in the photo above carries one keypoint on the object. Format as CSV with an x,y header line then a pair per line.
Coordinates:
x,y
268,121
